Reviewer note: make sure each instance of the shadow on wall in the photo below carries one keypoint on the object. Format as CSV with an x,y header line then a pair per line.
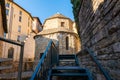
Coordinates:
x,y
40,45
99,30
98,20
88,19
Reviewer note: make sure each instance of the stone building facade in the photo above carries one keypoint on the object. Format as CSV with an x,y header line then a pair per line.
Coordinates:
x,y
18,19
99,29
19,24
37,25
29,48
22,27
62,31
3,24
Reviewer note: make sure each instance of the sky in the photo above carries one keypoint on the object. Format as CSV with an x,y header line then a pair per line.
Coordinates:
x,y
46,8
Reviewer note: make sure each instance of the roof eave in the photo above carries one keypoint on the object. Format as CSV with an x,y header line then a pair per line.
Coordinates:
x,y
22,9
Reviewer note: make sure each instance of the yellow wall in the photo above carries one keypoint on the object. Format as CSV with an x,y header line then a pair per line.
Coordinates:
x,y
13,23
52,24
56,23
25,27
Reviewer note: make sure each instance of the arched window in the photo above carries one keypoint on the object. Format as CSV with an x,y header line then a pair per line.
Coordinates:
x,y
10,52
67,43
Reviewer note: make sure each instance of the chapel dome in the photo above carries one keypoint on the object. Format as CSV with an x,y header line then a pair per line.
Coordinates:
x,y
58,15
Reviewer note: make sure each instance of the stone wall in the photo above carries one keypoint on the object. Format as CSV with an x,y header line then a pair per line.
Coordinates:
x,y
16,51
42,41
40,46
99,29
29,47
71,44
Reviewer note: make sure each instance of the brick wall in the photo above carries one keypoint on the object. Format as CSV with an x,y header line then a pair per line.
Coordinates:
x,y
99,29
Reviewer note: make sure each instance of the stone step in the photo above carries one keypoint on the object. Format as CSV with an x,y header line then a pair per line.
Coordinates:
x,y
12,76
67,60
69,74
5,59
67,64
66,57
68,68
69,78
5,67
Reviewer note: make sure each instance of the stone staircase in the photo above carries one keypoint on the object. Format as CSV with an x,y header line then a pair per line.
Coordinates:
x,y
5,65
13,76
53,66
67,60
8,70
68,69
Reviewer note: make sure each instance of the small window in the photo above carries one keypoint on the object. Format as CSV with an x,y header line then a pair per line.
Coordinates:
x,y
28,32
7,11
20,18
41,54
19,28
10,52
20,12
4,35
62,24
67,43
8,5
28,22
18,38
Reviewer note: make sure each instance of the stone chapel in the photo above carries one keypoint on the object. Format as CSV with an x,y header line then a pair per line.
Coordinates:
x,y
62,30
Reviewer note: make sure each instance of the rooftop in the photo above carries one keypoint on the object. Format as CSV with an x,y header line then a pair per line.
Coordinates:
x,y
57,15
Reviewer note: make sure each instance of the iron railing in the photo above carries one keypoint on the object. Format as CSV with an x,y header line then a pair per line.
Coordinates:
x,y
77,61
48,59
21,55
105,73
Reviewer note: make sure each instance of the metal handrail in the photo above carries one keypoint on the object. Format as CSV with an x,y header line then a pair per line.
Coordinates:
x,y
77,61
48,59
11,41
105,73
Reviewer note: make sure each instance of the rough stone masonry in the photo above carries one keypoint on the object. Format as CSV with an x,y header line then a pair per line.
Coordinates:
x,y
99,29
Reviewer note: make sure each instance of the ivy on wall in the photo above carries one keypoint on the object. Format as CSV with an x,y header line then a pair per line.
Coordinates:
x,y
76,8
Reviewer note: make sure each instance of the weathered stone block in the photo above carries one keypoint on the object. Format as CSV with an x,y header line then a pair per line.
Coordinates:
x,y
116,47
100,35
